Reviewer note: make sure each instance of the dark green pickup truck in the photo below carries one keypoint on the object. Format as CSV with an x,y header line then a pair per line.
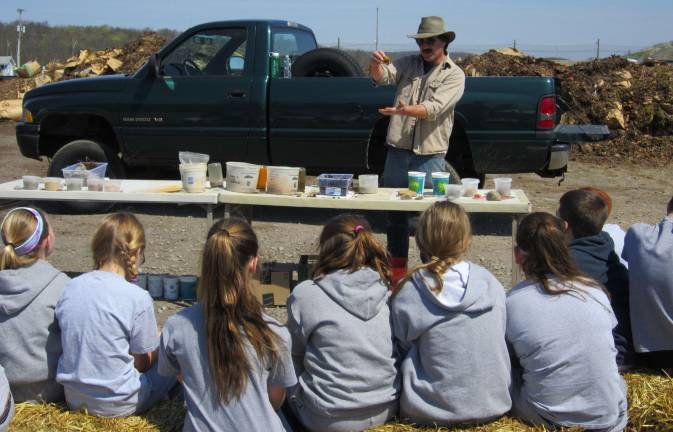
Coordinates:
x,y
210,91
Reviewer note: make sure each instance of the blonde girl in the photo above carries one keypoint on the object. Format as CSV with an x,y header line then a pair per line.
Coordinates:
x,y
559,327
108,328
449,325
29,290
234,360
341,337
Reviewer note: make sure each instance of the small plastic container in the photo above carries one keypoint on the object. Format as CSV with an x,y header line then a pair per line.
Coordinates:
x,y
503,185
74,183
31,182
112,186
215,174
453,191
53,184
242,177
188,288
368,183
171,288
334,184
471,186
95,184
282,180
193,177
97,169
416,182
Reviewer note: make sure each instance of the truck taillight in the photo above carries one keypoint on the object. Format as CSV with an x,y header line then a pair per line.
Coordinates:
x,y
546,113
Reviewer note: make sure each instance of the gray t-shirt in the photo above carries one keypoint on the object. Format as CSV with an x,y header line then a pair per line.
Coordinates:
x,y
183,350
567,354
649,251
104,320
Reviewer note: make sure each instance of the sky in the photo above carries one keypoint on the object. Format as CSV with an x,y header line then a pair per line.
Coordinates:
x,y
565,28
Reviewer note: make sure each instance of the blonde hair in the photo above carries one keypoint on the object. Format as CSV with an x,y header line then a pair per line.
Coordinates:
x,y
18,226
232,314
443,237
347,242
118,239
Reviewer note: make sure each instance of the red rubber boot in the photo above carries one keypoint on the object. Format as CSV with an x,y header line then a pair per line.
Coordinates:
x,y
398,268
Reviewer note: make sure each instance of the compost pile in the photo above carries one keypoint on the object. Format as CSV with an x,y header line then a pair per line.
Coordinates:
x,y
634,100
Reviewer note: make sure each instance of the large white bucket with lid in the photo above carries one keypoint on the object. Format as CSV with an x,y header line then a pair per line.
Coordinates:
x,y
242,177
193,177
282,180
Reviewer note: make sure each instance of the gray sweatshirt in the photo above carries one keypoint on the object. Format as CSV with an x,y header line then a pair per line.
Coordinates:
x,y
455,364
31,338
342,344
5,398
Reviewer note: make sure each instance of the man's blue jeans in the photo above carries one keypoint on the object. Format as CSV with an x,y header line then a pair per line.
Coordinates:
x,y
398,163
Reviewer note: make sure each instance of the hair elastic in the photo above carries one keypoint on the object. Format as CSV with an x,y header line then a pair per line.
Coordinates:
x,y
358,228
31,243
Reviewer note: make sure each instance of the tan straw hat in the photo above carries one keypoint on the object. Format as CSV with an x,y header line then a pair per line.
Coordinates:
x,y
432,26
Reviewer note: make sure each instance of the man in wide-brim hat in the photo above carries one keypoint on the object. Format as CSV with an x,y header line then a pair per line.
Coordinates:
x,y
429,86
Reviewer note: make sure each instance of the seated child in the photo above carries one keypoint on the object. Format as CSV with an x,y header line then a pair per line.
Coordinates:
x,y
559,325
615,231
649,251
29,290
108,329
584,213
449,325
234,360
6,402
342,342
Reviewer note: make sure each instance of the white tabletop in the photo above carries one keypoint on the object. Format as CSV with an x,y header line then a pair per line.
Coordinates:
x,y
383,200
131,191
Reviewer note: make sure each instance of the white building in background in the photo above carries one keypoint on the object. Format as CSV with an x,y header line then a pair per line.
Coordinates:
x,y
7,66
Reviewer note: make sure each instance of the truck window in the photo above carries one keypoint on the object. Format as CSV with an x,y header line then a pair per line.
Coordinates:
x,y
291,41
208,52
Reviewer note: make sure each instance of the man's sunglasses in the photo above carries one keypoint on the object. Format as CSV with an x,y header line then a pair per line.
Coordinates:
x,y
429,41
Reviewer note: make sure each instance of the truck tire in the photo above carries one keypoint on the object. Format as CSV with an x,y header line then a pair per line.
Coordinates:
x,y
326,62
455,177
80,151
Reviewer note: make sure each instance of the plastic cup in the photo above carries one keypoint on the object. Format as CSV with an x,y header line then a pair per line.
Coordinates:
x,y
31,182
368,183
155,286
74,183
215,174
454,191
53,184
471,186
171,288
503,185
95,184
112,186
439,182
188,287
416,182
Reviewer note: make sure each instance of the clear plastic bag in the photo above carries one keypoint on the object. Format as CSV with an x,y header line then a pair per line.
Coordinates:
x,y
193,158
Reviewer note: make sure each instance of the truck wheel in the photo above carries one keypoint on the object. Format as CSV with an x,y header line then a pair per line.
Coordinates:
x,y
455,177
326,62
81,151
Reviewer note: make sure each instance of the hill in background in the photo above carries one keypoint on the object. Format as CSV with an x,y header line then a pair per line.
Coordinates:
x,y
662,51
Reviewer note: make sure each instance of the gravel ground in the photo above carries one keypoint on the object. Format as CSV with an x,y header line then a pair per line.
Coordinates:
x,y
175,234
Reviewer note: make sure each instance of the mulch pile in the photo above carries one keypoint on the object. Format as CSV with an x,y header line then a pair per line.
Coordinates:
x,y
634,100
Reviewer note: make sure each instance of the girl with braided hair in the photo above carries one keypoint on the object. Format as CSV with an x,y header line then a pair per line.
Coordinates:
x,y
108,328
341,337
29,289
449,324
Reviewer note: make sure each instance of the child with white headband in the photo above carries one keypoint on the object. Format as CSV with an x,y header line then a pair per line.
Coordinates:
x,y
29,290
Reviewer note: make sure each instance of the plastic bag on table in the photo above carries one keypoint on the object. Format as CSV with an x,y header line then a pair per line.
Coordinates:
x,y
193,158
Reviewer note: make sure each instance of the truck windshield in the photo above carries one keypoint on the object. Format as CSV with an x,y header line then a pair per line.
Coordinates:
x,y
291,41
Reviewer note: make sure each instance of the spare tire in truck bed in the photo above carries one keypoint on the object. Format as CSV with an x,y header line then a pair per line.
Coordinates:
x,y
326,62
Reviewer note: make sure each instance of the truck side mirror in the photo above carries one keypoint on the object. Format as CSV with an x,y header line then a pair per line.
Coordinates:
x,y
154,65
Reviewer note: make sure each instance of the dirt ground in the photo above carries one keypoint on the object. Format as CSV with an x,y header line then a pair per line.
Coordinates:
x,y
175,234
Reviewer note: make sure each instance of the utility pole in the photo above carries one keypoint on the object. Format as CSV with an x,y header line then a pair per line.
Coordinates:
x,y
339,43
20,29
377,30
514,44
598,49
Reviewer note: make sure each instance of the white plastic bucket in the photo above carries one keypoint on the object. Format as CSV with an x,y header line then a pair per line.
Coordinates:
x,y
242,177
282,180
193,177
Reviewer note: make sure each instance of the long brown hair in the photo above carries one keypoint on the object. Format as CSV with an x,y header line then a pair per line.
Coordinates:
x,y
232,314
18,226
347,242
443,237
118,239
545,254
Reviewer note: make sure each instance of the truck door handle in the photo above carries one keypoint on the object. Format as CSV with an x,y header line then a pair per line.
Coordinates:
x,y
237,93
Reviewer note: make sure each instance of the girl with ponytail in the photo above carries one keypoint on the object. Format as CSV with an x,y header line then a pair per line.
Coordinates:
x,y
234,360
108,328
559,328
29,290
341,337
449,325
